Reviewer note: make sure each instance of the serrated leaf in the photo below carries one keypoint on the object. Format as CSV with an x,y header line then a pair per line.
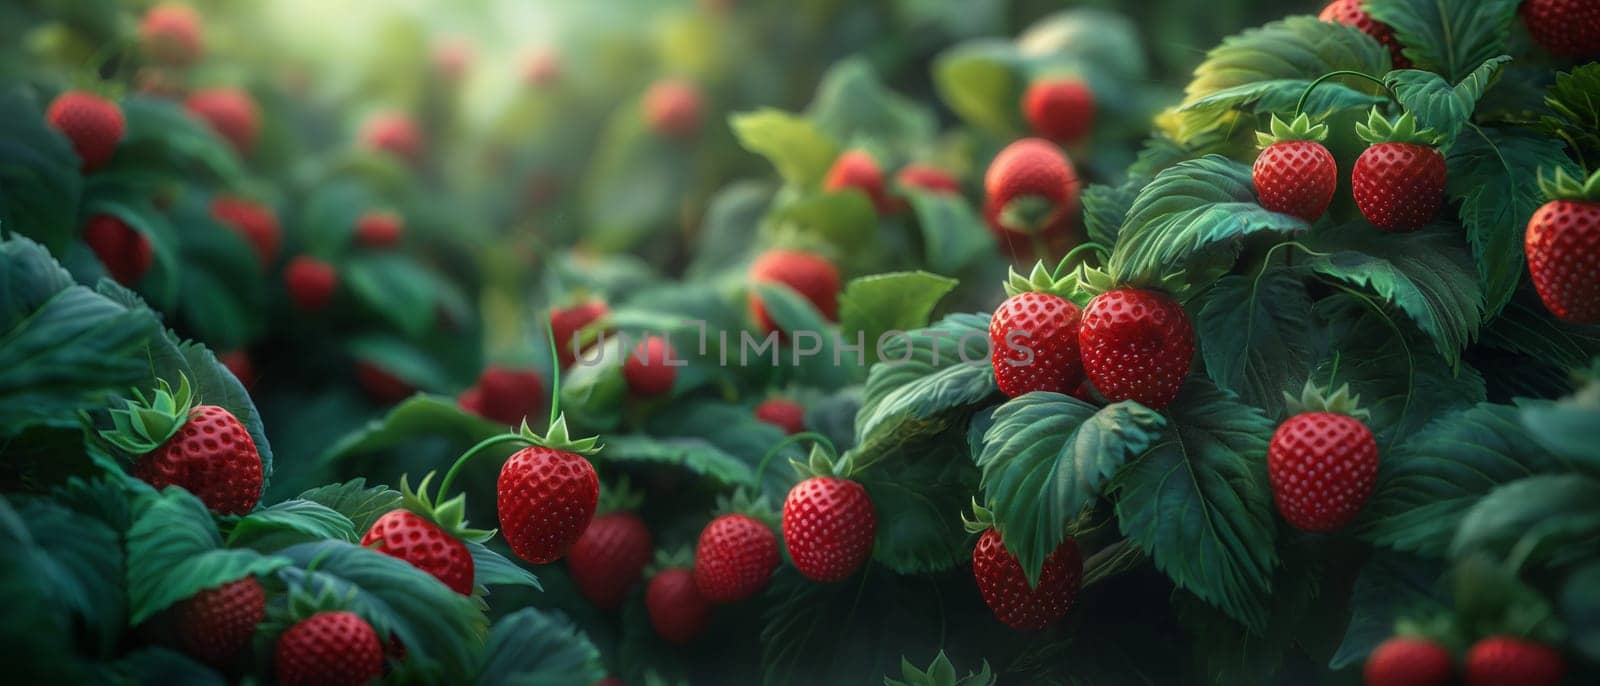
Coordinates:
x,y
1390,587
1105,208
953,235
925,481
692,454
359,503
397,288
72,557
1451,37
175,551
1435,103
1197,501
158,665
490,568
414,418
532,647
1541,518
1577,111
900,301
928,372
1046,457
1255,335
290,522
796,148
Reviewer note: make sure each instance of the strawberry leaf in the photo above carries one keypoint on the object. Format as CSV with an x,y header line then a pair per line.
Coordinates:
x,y
953,235
1576,111
1580,608
1451,37
158,665
163,137
532,646
223,283
65,559
397,288
127,197
919,494
852,105
1255,335
981,81
899,301
1106,207
653,169
1542,518
490,568
1390,587
828,366
928,372
40,172
1197,501
795,146
361,504
417,417
174,551
725,239
695,455
288,523
1436,104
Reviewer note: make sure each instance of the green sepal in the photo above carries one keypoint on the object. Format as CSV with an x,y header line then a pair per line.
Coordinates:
x,y
557,438
449,515
301,603
1030,214
1379,129
619,497
681,557
941,672
823,461
1301,129
982,519
146,423
1314,398
1089,282
756,507
1041,280
1563,186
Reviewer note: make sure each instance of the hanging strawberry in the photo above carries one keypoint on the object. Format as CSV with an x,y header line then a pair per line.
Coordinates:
x,y
1399,181
203,449
1323,461
1563,247
1295,174
431,537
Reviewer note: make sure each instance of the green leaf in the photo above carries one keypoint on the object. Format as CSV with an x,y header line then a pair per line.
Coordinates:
x,y
490,568
360,504
1390,587
1580,608
222,285
1436,104
829,367
732,429
654,171
899,301
845,221
291,522
1451,37
1197,501
417,417
158,665
174,551
923,480
848,633
40,174
163,137
402,358
725,239
530,647
1494,175
853,104
1281,96
72,556
38,624
1543,518
980,82
1427,274
928,372
1255,336
800,152
1187,208
1105,208
1427,484
953,235
396,287
128,198
693,454
1576,111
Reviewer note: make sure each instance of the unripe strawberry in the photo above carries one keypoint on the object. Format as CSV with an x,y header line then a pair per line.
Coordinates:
x,y
1570,28
814,278
379,229
231,113
311,283
828,527
394,133
126,253
92,124
171,34
1563,249
1136,345
255,222
217,623
647,369
1295,174
1322,462
734,559
855,169
546,499
382,385
1351,13
1398,183
928,178
677,610
328,649
1402,661
608,558
784,414
673,108
1059,109
1509,661
1006,591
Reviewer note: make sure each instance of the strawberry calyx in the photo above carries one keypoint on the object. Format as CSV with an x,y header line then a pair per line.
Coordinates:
x,y
1314,398
144,424
681,557
449,515
940,672
1091,282
1042,280
982,520
823,461
756,507
618,497
556,437
1378,129
1030,214
1564,186
1300,129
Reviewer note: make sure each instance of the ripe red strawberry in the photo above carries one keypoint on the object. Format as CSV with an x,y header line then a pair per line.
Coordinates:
x,y
542,69
92,124
828,527
784,414
609,557
1570,28
1136,345
239,363
1563,248
673,108
203,449
647,369
808,274
565,322
1295,174
379,229
855,169
928,178
1322,462
311,282
171,34
328,649
1005,588
382,385
1351,13
1033,339
1399,181
231,113
408,536
1402,661
677,610
254,221
734,558
216,623
1031,188
505,395
394,133
546,498
126,253
1061,110
1510,661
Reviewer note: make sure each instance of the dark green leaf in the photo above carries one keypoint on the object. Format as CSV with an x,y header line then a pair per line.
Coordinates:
x,y
361,504
1255,336
1391,586
695,455
40,174
828,366
1536,519
290,522
490,568
923,480
418,416
1435,103
1451,37
153,665
929,371
1105,208
396,287
1580,607
534,648
174,551
851,104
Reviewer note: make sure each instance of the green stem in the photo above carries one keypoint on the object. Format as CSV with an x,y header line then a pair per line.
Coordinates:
x,y
1086,245
813,436
485,444
1301,103
555,369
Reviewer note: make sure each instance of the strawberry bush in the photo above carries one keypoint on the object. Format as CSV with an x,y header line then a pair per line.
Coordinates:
x,y
810,342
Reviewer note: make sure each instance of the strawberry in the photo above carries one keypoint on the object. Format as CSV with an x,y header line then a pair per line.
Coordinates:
x,y
328,649
171,34
566,323
784,414
382,385
393,133
672,108
452,58
231,113
505,395
1295,174
1031,190
379,229
126,253
1322,462
1402,661
1033,338
1509,661
311,282
1570,28
1563,248
855,169
735,558
255,222
677,610
1136,345
808,274
427,536
216,623
547,494
649,370
1061,110
609,557
928,178
1398,182
828,527
92,124
1351,13
241,366
542,69
203,449
1006,590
